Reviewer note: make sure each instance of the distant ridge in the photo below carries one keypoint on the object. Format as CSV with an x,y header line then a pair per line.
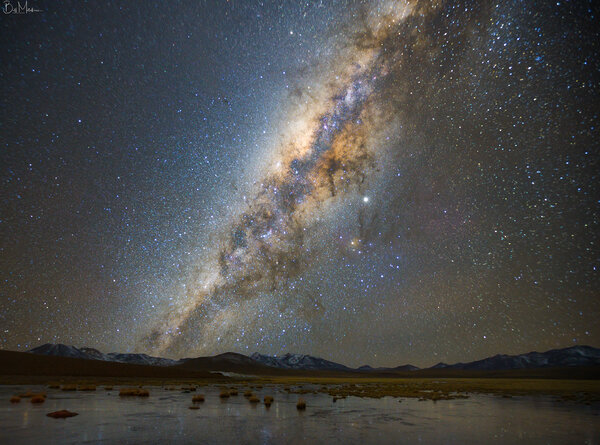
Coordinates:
x,y
298,361
566,357
573,356
61,350
367,368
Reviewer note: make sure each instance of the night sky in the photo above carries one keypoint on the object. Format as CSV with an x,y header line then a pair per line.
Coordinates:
x,y
368,182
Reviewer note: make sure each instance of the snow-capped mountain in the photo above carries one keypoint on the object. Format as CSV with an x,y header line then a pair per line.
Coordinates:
x,y
297,361
573,356
140,359
94,354
61,351
367,368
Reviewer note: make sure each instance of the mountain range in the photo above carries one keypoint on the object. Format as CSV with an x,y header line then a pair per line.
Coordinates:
x,y
566,357
61,350
573,356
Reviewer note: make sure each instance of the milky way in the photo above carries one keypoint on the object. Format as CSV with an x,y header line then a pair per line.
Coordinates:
x,y
331,152
379,182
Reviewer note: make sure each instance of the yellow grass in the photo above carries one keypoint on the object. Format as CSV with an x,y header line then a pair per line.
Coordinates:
x,y
584,391
134,392
32,395
224,394
427,388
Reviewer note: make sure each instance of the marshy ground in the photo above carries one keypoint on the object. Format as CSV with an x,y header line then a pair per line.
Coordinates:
x,y
320,410
583,391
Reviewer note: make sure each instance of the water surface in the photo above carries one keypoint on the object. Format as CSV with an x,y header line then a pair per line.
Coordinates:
x,y
104,417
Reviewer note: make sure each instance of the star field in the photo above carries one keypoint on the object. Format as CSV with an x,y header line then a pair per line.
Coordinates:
x,y
369,182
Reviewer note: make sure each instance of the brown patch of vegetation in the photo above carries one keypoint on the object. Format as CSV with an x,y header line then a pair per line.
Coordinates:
x,y
224,394
420,390
62,414
568,390
233,392
86,388
134,392
69,388
125,392
198,398
268,401
304,391
253,400
301,405
54,386
248,394
39,397
108,388
193,407
15,399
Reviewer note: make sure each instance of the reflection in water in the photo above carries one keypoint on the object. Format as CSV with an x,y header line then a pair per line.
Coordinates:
x,y
164,416
25,419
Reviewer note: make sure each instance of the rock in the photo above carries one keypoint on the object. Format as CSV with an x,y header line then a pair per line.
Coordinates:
x,y
62,414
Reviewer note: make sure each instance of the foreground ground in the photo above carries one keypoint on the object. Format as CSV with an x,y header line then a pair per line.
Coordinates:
x,y
582,391
313,410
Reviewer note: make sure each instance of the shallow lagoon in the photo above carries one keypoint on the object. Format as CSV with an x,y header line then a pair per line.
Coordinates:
x,y
104,417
